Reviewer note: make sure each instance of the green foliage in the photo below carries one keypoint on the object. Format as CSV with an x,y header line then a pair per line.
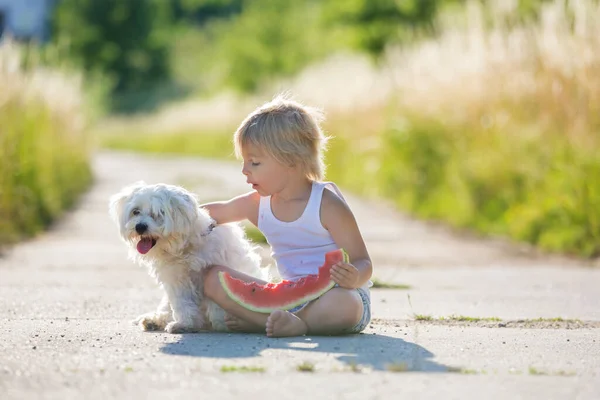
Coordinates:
x,y
42,170
270,38
124,40
201,11
205,144
244,368
523,11
241,44
350,160
44,154
374,24
155,50
245,44
542,190
255,235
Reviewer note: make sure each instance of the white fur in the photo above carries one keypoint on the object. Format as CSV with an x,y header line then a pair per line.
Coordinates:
x,y
184,248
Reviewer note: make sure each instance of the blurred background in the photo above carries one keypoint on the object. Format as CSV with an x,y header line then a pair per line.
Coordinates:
x,y
483,115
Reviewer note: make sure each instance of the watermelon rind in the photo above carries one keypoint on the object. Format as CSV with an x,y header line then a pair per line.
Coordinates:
x,y
223,276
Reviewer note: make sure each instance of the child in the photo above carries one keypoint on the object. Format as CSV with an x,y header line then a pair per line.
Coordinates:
x,y
302,218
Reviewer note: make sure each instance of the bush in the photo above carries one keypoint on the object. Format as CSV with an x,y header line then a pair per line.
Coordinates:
x,y
124,40
541,191
269,39
44,154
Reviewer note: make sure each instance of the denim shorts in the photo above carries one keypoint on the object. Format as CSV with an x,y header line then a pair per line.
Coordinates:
x,y
364,319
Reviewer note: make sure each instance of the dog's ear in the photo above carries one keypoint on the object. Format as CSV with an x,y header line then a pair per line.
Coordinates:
x,y
181,213
117,201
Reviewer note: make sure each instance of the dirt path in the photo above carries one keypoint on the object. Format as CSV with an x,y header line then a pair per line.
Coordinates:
x,y
67,296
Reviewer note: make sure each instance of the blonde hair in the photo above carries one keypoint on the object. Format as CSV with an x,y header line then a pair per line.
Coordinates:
x,y
287,131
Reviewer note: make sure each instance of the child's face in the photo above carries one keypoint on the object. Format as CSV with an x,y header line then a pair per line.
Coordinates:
x,y
263,172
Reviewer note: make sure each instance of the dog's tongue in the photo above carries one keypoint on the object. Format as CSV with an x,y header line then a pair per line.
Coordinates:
x,y
144,245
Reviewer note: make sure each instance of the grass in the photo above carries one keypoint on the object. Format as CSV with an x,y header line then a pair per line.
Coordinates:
x,y
463,371
467,319
44,149
466,371
379,284
463,318
397,367
210,144
255,235
235,368
535,371
557,319
354,367
421,317
305,367
458,318
403,367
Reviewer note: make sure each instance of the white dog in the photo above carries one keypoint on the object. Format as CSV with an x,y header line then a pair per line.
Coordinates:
x,y
168,232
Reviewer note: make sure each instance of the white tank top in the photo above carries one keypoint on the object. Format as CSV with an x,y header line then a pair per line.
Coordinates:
x,y
299,246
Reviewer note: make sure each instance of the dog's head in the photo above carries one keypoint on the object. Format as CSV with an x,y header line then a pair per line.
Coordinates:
x,y
157,216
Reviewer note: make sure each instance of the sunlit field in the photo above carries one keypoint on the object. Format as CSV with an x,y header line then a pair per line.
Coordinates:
x,y
498,130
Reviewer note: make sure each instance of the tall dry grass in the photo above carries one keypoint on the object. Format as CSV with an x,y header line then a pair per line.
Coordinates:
x,y
44,151
546,69
497,129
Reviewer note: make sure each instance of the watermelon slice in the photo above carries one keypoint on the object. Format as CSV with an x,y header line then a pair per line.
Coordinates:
x,y
283,295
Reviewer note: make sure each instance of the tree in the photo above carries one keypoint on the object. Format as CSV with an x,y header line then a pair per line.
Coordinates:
x,y
199,12
125,40
373,24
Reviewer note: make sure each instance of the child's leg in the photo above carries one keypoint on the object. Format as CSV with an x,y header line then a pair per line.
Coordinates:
x,y
332,313
248,321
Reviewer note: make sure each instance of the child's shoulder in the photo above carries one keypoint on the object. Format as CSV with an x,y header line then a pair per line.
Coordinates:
x,y
252,197
333,200
246,206
335,212
247,201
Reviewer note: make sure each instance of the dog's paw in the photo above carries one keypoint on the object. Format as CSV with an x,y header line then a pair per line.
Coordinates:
x,y
150,322
178,327
139,318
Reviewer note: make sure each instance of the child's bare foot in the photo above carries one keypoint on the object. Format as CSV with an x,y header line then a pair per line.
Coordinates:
x,y
239,325
283,324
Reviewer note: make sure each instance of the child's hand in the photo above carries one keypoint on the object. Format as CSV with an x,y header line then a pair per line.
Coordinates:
x,y
346,275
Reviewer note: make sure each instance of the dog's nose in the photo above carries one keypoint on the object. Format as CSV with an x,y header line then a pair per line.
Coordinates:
x,y
141,228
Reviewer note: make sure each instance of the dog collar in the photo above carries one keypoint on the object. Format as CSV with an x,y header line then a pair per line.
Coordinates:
x,y
212,226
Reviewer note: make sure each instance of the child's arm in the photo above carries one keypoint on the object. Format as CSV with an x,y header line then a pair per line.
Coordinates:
x,y
237,209
339,220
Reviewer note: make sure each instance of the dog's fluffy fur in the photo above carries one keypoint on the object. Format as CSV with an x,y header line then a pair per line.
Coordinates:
x,y
168,232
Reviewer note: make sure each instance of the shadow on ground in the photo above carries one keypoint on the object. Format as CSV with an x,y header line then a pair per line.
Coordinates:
x,y
379,352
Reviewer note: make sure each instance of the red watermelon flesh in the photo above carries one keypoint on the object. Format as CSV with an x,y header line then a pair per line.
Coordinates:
x,y
282,295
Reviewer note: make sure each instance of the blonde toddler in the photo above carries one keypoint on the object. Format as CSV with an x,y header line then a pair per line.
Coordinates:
x,y
302,217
